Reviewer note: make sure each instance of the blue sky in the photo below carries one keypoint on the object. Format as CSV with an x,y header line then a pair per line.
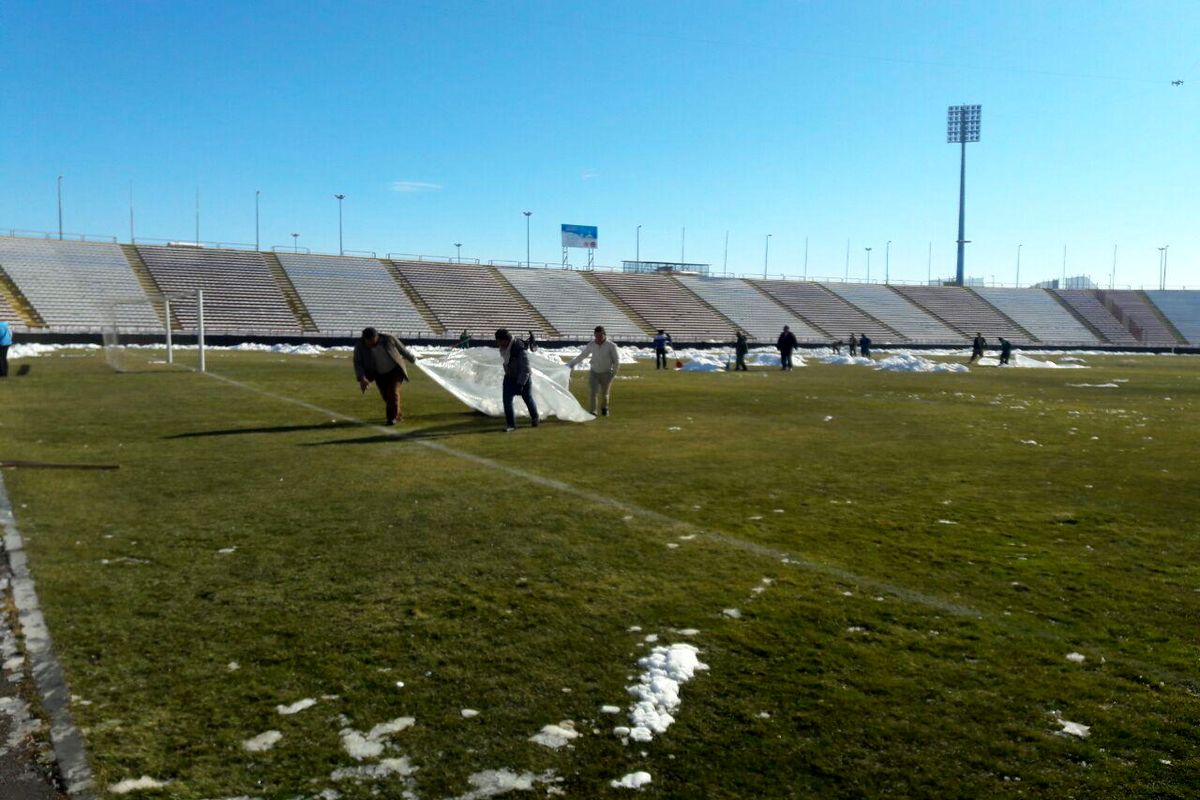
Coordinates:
x,y
442,121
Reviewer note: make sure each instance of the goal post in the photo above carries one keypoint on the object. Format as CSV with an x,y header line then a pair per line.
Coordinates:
x,y
155,332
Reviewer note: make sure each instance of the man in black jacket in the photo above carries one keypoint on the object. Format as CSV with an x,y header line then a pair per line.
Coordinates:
x,y
380,357
786,344
977,345
740,348
518,379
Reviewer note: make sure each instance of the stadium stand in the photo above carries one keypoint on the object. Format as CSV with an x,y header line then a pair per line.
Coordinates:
x,y
965,311
1140,317
827,312
9,314
69,284
572,305
468,297
666,303
897,311
344,295
757,314
240,294
1039,313
1085,304
1182,309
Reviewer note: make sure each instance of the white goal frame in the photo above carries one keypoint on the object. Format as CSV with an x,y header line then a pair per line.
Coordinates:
x,y
112,331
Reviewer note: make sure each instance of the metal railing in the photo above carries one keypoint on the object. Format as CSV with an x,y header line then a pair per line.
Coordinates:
x,y
290,248
73,237
192,243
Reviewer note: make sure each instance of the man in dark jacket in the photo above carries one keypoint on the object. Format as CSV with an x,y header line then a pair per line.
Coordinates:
x,y
380,357
518,379
977,345
660,349
853,345
786,343
864,346
1005,350
740,348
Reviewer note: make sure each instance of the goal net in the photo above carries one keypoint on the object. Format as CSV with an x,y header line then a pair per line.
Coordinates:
x,y
156,332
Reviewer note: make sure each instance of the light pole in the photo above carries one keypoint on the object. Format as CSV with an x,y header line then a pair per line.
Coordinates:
x,y
1018,280
962,126
1112,276
295,243
638,254
682,245
1162,266
527,214
929,266
887,262
458,246
725,260
805,258
340,198
1064,274
60,208
766,254
1166,252
868,263
847,276
131,236
256,195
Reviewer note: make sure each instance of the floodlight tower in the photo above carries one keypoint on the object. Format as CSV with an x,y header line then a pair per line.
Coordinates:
x,y
962,126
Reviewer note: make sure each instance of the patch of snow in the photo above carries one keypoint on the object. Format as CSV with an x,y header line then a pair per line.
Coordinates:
x,y
226,550
610,709
1030,441
665,670
1093,385
296,707
361,746
732,613
909,362
136,785
634,780
233,666
493,782
1075,729
947,522
555,736
1077,658
468,713
688,631
386,768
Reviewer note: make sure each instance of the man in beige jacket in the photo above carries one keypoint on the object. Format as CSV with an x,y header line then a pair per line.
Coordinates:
x,y
380,357
606,360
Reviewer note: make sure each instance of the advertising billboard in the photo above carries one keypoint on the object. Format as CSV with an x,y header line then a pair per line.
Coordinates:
x,y
579,236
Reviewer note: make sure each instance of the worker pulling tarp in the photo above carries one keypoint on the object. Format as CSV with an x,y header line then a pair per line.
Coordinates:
x,y
475,376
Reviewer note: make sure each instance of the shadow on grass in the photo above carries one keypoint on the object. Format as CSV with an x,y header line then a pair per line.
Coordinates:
x,y
324,426
476,423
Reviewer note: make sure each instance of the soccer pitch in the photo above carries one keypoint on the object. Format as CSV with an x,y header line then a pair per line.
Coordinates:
x,y
899,585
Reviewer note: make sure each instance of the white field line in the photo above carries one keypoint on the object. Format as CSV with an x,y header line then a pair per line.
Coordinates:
x,y
910,595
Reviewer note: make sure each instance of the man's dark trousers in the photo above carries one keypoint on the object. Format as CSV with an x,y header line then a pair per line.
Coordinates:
x,y
785,357
389,390
741,362
525,391
3,360
660,359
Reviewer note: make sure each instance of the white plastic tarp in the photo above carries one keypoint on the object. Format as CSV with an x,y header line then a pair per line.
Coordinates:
x,y
475,376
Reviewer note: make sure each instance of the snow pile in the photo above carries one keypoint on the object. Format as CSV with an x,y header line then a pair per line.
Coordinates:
x,y
838,359
493,782
634,780
33,350
1075,729
665,670
370,745
705,362
285,349
296,707
475,377
136,785
556,736
264,741
910,362
1076,658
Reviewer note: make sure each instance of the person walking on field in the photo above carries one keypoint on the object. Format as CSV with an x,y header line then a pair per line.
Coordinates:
x,y
660,349
740,348
853,345
518,380
5,343
380,357
864,346
786,344
606,360
977,345
1005,350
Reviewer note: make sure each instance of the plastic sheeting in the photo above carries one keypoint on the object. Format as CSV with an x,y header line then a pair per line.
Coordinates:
x,y
475,377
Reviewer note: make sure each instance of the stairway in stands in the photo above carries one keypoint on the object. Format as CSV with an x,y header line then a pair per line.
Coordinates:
x,y
290,294
11,296
523,302
148,284
626,309
427,314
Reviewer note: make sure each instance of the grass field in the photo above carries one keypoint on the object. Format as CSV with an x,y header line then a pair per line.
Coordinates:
x,y
883,572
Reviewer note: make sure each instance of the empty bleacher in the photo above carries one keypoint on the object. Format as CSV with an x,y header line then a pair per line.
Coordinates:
x,y
71,284
665,303
830,314
965,311
758,315
240,294
881,302
1038,312
9,314
344,295
1085,303
1137,314
572,305
1182,308
468,297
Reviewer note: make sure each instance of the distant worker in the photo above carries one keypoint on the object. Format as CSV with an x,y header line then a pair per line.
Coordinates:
x,y
5,343
836,346
740,348
977,345
531,342
786,344
380,357
853,345
660,349
1005,350
606,360
864,346
518,379
464,340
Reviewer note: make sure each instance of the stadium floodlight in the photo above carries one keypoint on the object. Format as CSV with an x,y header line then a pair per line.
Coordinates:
x,y
256,196
1018,280
295,243
962,126
340,198
637,255
458,246
887,262
527,214
868,263
766,254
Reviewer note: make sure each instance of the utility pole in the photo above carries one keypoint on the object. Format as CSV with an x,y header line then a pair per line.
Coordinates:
x,y
962,126
60,207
